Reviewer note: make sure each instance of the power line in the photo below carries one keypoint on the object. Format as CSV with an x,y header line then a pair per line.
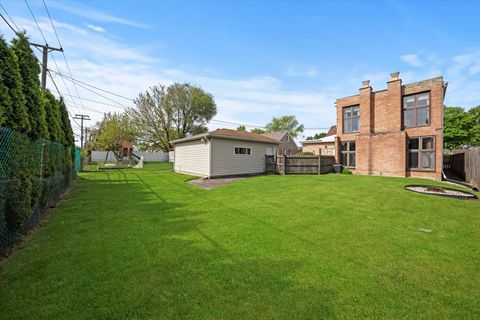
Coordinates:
x,y
95,101
34,19
86,86
63,54
95,87
49,17
9,18
8,23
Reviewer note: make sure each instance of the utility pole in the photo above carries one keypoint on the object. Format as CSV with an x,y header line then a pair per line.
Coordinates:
x,y
81,117
45,50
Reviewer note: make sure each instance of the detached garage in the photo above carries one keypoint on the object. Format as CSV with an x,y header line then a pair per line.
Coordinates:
x,y
223,152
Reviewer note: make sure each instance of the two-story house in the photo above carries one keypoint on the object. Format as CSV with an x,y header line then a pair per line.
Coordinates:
x,y
393,132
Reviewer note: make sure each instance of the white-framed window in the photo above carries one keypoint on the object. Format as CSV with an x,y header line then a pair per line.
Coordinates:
x,y
242,150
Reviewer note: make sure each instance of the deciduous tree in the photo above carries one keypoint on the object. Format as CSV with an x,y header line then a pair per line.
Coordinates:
x,y
285,123
163,114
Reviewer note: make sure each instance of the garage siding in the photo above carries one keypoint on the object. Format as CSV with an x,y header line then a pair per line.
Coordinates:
x,y
192,157
226,162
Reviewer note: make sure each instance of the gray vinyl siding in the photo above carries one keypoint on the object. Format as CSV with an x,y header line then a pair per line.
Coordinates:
x,y
193,157
224,161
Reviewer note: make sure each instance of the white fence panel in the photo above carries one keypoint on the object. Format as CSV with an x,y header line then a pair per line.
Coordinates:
x,y
171,156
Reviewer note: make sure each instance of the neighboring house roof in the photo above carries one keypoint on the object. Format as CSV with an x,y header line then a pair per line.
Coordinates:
x,y
332,131
275,135
229,134
322,140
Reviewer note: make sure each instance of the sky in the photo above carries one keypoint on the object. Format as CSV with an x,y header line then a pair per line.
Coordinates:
x,y
259,59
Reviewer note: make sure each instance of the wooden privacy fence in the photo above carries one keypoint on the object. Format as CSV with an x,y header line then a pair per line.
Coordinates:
x,y
466,165
299,164
472,166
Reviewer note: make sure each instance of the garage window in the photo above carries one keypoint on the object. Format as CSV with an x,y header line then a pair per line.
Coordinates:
x,y
241,150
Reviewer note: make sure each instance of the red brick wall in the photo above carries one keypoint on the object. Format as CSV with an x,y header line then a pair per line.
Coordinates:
x,y
381,144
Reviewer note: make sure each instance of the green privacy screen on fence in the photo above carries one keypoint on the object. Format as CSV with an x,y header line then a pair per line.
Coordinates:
x,y
32,175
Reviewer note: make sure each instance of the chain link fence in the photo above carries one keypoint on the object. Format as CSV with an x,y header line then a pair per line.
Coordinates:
x,y
33,174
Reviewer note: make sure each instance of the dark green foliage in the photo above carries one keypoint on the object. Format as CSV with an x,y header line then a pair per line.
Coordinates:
x,y
258,131
4,101
68,139
28,180
241,128
307,153
317,136
461,128
13,106
346,171
29,71
52,112
456,127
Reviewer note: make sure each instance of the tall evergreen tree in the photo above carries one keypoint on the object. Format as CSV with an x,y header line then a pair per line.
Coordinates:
x,y
29,71
66,125
4,100
14,109
52,113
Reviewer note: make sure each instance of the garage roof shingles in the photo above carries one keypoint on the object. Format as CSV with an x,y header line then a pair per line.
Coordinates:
x,y
230,134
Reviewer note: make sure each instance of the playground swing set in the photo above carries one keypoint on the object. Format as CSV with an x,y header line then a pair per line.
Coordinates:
x,y
126,157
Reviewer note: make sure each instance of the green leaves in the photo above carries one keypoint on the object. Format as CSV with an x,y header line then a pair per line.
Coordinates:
x,y
461,128
12,103
163,114
285,123
29,72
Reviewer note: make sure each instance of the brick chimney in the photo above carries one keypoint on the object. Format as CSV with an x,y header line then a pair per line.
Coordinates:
x,y
366,104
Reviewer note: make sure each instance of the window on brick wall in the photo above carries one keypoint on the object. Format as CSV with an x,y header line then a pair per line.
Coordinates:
x,y
347,149
416,110
421,153
351,119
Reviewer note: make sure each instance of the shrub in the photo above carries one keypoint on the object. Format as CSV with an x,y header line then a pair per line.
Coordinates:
x,y
304,153
346,171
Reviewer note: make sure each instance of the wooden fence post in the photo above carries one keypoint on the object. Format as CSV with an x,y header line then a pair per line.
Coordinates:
x,y
319,164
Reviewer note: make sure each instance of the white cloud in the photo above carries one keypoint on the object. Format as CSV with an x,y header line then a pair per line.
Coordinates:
x,y
412,59
96,28
93,14
309,72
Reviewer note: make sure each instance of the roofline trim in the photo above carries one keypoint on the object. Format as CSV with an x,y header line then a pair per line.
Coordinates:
x,y
219,136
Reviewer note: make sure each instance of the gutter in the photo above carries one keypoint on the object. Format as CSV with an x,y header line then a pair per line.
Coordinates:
x,y
460,183
208,135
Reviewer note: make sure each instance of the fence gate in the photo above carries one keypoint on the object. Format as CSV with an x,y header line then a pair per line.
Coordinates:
x,y
270,166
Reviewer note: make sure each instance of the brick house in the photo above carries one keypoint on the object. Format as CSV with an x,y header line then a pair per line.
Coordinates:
x,y
393,132
287,145
324,146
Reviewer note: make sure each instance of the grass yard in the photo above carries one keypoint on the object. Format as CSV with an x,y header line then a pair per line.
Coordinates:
x,y
143,244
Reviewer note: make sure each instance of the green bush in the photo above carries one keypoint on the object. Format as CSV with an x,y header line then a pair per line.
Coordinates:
x,y
304,154
346,171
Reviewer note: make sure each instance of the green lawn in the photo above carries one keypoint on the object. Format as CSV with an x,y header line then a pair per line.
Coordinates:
x,y
143,244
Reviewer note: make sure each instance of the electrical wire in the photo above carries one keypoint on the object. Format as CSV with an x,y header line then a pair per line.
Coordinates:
x,y
36,22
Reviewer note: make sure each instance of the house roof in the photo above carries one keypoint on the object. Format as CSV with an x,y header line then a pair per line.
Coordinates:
x,y
322,140
278,135
229,134
332,131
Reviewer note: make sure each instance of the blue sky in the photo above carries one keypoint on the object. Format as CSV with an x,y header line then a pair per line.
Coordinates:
x,y
260,58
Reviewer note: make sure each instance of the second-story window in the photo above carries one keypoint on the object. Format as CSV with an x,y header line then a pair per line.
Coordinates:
x,y
351,119
416,110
